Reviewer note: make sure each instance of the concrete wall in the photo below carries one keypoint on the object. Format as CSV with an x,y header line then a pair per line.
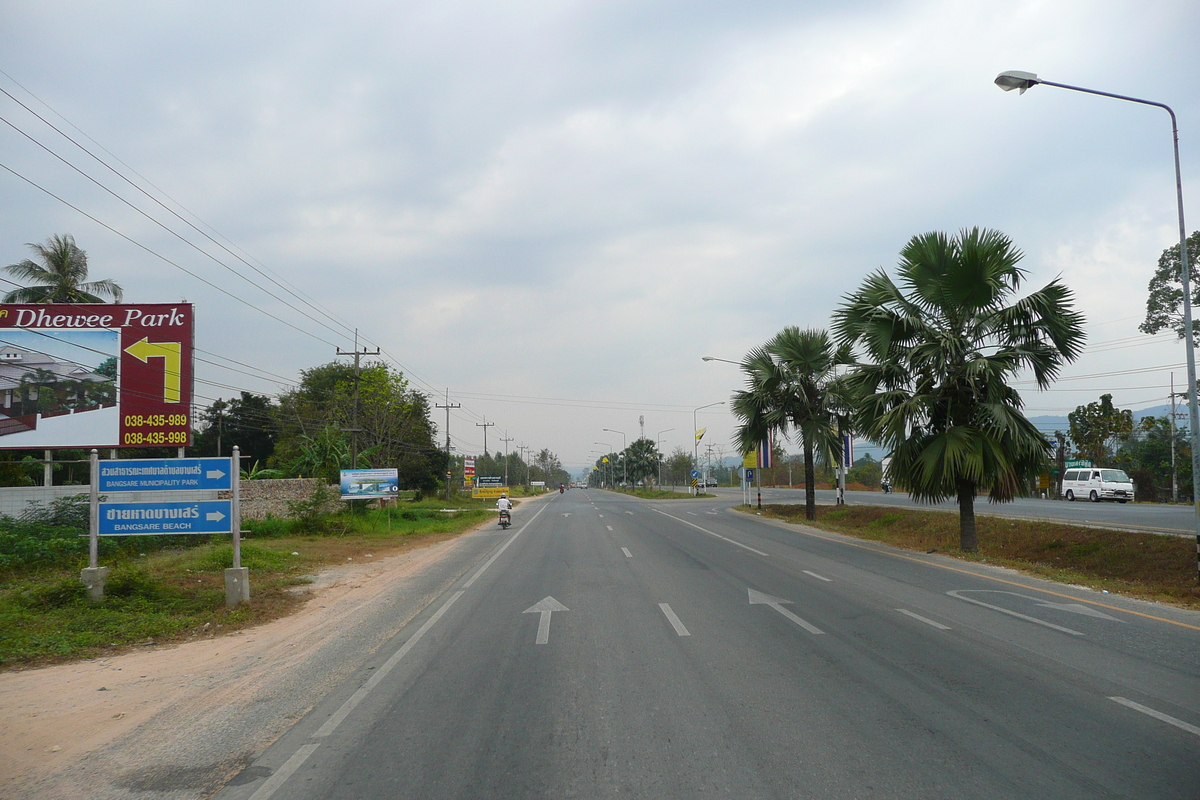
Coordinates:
x,y
259,498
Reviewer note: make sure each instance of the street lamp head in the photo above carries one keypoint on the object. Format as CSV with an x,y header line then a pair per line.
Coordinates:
x,y
1014,79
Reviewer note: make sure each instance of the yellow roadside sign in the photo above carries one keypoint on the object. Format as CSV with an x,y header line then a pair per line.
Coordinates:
x,y
750,460
489,491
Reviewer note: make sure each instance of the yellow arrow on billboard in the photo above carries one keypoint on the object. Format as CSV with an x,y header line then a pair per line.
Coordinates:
x,y
169,352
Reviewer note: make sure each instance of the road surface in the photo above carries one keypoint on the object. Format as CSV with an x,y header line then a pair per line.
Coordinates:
x,y
610,646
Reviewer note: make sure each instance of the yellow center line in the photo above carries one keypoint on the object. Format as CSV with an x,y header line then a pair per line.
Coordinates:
x,y
800,529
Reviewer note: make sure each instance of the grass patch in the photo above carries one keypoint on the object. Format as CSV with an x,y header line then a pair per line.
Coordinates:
x,y
659,494
1144,565
161,592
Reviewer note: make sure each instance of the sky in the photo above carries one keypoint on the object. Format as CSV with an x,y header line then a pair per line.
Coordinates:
x,y
552,211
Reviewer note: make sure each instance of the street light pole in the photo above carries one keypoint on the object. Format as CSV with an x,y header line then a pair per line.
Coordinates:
x,y
624,456
696,438
1026,80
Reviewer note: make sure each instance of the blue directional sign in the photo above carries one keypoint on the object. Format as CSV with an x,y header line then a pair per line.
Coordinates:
x,y
165,474
695,473
749,476
159,519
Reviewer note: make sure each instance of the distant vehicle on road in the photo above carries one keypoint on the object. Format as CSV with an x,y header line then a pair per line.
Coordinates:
x,y
1097,484
711,482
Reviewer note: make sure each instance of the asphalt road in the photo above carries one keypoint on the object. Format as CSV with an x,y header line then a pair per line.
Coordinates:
x,y
1177,520
609,646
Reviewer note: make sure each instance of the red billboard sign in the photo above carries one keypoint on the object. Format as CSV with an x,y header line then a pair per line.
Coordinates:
x,y
95,375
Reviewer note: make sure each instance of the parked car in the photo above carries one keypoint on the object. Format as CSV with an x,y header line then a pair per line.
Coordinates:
x,y
1097,484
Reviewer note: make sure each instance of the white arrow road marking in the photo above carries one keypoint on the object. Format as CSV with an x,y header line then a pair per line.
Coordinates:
x,y
628,554
937,625
1076,608
760,599
674,620
1034,620
818,577
213,474
1167,718
214,516
710,533
546,606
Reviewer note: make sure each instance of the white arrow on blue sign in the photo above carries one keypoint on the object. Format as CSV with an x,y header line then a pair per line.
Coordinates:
x,y
165,474
161,519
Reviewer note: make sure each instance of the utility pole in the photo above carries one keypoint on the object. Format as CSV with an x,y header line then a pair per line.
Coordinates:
x,y
355,430
1174,482
506,440
448,406
485,425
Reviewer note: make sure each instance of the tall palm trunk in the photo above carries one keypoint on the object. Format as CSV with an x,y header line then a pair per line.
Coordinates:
x,y
810,483
966,516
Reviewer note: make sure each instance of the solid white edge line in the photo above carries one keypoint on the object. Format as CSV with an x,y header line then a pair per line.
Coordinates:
x,y
818,577
278,778
628,554
710,533
497,554
937,625
356,698
1150,712
676,623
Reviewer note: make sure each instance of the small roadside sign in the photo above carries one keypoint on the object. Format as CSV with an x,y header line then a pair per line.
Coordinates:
x,y
1077,463
165,474
161,519
749,476
695,473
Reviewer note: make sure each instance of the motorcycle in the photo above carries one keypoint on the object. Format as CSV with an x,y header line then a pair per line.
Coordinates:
x,y
561,489
887,487
505,518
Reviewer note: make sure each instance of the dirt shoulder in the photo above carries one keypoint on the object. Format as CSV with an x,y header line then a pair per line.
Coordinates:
x,y
176,722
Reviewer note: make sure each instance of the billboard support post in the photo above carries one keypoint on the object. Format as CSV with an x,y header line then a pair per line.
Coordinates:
x,y
237,578
94,575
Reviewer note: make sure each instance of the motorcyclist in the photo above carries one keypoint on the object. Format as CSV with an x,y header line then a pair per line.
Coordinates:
x,y
504,504
561,488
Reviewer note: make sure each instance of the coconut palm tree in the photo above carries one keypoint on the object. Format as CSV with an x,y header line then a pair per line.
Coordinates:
x,y
792,386
59,275
936,351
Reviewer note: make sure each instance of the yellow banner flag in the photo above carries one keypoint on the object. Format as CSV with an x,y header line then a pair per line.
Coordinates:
x,y
700,433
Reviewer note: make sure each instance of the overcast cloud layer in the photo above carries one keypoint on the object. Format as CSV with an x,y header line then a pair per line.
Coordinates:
x,y
577,201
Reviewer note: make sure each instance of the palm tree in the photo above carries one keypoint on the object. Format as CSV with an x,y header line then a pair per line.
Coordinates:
x,y
793,386
60,277
936,353
642,459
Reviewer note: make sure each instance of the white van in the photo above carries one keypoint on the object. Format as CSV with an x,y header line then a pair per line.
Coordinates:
x,y
1097,484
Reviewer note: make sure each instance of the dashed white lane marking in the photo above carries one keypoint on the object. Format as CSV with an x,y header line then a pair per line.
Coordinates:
x,y
710,533
674,620
283,773
693,513
818,577
1150,712
628,554
937,625
609,527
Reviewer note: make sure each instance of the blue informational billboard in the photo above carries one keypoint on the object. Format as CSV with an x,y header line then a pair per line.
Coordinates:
x,y
159,519
366,484
165,474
